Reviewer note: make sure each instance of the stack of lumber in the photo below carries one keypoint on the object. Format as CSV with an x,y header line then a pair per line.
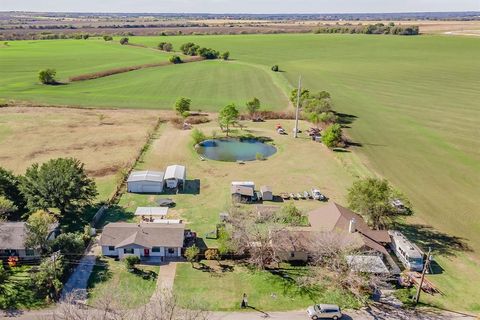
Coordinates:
x,y
414,278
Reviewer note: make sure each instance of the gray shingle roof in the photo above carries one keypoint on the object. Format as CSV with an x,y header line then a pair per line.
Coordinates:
x,y
13,234
147,235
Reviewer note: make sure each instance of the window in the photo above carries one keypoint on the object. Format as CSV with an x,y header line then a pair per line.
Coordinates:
x,y
156,249
171,250
128,250
111,248
292,254
29,252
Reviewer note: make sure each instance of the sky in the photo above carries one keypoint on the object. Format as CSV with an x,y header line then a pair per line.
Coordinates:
x,y
242,6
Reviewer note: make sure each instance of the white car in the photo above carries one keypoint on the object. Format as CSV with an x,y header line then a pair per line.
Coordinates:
x,y
317,195
324,311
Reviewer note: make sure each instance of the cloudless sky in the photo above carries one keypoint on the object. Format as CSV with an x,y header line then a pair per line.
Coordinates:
x,y
241,6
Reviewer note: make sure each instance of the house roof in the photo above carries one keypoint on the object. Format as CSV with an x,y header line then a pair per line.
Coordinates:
x,y
175,172
333,216
151,211
154,176
367,263
13,234
121,234
265,189
244,191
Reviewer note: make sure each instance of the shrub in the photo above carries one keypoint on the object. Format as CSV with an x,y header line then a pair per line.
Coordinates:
x,y
212,254
131,261
107,38
275,68
175,59
332,135
226,55
192,253
198,136
182,106
124,41
259,156
47,76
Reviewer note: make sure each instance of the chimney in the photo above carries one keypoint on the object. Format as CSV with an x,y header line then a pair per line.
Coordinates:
x,y
352,227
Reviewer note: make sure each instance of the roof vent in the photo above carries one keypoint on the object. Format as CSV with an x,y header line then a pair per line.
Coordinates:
x,y
353,226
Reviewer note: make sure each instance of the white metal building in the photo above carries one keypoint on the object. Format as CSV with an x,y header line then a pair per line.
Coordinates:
x,y
152,212
175,176
145,182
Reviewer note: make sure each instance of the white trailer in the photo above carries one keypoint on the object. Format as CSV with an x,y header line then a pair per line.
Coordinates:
x,y
407,252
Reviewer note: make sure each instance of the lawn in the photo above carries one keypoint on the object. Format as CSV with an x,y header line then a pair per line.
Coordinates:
x,y
105,140
111,280
20,293
223,287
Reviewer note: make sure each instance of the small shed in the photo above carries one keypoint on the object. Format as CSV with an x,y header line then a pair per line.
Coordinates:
x,y
247,184
152,212
242,194
267,193
175,176
145,182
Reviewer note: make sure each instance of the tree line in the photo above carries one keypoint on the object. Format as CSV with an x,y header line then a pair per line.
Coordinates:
x,y
378,28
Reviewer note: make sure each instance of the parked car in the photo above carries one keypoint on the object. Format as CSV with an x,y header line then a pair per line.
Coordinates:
x,y
317,195
324,311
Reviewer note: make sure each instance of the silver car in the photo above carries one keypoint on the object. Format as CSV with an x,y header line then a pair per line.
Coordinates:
x,y
324,311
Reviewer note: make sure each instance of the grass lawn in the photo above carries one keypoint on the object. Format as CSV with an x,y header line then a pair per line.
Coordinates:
x,y
128,290
222,290
20,291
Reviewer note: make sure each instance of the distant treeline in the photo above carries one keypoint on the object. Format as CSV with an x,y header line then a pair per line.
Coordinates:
x,y
378,28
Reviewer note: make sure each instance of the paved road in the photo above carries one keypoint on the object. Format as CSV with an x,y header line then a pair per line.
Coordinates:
x,y
78,280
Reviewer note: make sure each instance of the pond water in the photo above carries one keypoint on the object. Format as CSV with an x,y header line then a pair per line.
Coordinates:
x,y
231,149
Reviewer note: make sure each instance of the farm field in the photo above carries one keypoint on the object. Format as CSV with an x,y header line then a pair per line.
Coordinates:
x,y
416,100
105,140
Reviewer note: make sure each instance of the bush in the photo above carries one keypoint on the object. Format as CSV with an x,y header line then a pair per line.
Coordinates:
x,y
175,59
275,68
131,261
107,38
192,253
182,106
332,136
69,243
212,254
226,55
47,76
165,46
124,41
259,156
198,136
292,216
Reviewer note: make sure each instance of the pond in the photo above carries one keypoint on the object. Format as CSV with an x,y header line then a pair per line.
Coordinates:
x,y
232,149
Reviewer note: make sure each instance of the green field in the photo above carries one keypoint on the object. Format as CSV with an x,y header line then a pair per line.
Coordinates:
x,y
416,99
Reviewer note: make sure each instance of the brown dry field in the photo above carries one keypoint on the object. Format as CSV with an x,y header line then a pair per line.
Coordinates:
x,y
105,140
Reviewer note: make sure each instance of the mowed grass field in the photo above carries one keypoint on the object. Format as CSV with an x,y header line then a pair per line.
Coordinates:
x,y
105,140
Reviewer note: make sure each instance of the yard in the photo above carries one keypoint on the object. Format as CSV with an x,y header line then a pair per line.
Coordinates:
x,y
111,280
19,293
221,287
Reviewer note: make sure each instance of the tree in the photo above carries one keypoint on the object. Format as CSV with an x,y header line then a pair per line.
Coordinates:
x,y
10,190
208,53
165,46
198,136
124,41
59,183
107,38
303,96
6,207
131,261
47,76
175,59
228,116
192,253
226,55
182,106
189,49
69,243
47,278
224,241
291,215
253,106
212,254
372,198
38,228
276,68
86,36
332,136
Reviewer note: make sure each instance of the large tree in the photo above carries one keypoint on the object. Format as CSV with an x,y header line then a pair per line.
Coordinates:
x,y
38,227
10,191
47,278
58,183
228,116
47,76
372,198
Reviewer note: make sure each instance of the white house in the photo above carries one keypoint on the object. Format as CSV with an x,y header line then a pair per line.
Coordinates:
x,y
143,240
12,240
175,176
145,182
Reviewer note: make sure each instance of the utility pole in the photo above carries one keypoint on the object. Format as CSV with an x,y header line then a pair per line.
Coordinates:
x,y
299,93
425,267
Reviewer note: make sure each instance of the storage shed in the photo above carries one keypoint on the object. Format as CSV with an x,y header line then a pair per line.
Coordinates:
x,y
267,193
175,176
145,182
